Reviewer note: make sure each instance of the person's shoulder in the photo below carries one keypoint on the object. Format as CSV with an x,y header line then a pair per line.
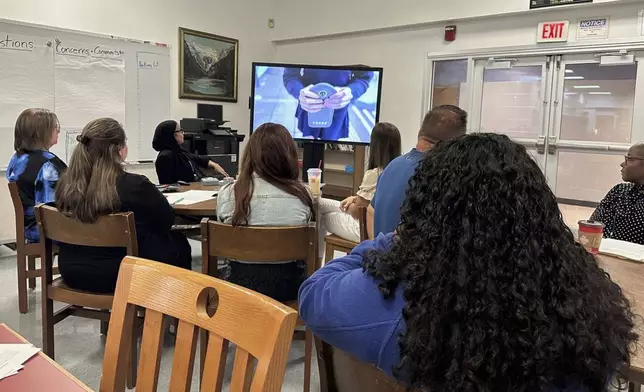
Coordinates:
x,y
621,188
165,154
132,180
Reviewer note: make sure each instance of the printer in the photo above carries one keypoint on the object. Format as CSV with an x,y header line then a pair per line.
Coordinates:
x,y
209,136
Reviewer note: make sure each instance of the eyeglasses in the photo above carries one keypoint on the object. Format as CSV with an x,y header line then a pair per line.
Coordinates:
x,y
629,158
179,131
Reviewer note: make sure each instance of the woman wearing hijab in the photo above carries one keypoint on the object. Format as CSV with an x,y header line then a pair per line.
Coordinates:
x,y
173,163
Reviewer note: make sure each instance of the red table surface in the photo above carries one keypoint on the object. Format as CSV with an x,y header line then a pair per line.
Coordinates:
x,y
39,374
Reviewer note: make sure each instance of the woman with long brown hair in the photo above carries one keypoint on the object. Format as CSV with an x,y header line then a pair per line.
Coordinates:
x,y
267,193
96,184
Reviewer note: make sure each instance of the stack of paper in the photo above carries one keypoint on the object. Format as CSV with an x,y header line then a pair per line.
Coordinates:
x,y
623,249
12,356
190,197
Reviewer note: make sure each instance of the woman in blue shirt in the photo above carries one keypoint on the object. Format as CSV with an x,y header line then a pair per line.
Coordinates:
x,y
481,288
33,167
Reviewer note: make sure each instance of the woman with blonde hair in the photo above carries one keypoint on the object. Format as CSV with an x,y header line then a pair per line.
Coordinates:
x,y
96,184
33,167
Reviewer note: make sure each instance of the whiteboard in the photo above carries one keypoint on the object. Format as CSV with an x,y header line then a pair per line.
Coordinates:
x,y
82,76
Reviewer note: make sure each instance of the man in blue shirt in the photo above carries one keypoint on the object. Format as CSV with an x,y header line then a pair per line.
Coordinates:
x,y
442,123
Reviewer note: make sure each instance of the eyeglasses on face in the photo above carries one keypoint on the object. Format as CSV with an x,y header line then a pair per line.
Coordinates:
x,y
179,131
630,158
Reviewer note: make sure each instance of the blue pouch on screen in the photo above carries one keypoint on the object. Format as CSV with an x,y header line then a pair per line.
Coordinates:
x,y
323,118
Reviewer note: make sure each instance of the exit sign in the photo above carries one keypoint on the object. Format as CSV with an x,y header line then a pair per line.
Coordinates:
x,y
553,31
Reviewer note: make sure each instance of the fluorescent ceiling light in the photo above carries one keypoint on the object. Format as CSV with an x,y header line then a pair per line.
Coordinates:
x,y
569,71
588,86
571,93
600,93
574,78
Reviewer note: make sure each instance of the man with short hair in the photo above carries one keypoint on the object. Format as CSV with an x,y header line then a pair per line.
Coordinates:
x,y
622,209
442,123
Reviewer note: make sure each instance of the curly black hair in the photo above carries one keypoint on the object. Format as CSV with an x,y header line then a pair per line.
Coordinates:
x,y
499,297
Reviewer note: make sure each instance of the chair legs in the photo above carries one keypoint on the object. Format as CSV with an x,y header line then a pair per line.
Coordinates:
x,y
308,350
31,266
48,326
21,260
328,253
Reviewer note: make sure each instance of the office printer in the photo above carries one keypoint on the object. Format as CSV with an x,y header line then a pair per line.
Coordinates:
x,y
209,137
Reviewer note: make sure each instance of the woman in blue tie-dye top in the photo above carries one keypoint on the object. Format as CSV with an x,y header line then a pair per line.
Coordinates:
x,y
33,167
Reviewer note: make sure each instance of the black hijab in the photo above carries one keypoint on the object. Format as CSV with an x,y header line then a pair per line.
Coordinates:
x,y
164,137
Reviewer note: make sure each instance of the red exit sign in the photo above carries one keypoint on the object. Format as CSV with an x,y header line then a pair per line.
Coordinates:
x,y
553,31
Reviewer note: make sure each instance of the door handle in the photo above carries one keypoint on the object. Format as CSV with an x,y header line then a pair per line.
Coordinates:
x,y
552,145
541,145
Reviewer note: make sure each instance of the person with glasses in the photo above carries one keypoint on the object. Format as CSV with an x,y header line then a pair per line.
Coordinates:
x,y
622,209
33,167
173,163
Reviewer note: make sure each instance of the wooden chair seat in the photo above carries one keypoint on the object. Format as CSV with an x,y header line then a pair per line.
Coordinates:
x,y
339,242
59,291
115,230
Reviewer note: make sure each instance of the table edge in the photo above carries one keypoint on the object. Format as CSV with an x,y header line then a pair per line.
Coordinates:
x,y
43,355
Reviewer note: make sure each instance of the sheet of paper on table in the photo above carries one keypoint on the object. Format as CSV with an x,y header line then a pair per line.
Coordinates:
x,y
623,249
190,197
12,356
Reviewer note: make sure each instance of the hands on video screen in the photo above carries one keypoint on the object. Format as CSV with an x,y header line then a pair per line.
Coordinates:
x,y
312,102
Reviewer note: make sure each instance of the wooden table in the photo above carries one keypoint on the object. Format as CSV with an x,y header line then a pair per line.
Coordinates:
x,y
40,373
203,209
629,275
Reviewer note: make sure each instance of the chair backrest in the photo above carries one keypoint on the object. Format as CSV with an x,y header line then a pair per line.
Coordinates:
x,y
259,326
258,244
19,212
364,234
114,230
341,372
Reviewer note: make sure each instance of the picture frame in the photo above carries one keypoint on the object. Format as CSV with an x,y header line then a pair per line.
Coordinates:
x,y
208,66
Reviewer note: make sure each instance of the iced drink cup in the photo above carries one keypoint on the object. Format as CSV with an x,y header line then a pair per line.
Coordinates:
x,y
315,175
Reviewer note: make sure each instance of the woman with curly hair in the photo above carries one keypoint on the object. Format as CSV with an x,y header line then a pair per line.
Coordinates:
x,y
481,288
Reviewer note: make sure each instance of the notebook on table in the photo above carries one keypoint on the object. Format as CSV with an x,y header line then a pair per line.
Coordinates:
x,y
622,249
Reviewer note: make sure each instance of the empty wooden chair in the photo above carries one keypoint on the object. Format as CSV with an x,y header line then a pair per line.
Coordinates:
x,y
26,254
341,372
336,243
260,327
116,230
265,245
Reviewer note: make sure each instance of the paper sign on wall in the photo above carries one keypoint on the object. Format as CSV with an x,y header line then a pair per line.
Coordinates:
x,y
595,28
556,31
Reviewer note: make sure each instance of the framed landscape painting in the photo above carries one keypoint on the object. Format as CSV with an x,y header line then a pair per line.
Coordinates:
x,y
208,66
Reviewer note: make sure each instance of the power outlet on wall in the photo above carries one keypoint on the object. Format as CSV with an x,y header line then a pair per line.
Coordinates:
x,y
271,23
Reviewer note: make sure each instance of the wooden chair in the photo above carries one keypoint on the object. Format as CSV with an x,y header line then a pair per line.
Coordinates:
x,y
260,327
262,244
26,254
341,372
116,230
334,242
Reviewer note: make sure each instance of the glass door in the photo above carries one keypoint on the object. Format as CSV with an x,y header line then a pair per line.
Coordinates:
x,y
594,96
511,96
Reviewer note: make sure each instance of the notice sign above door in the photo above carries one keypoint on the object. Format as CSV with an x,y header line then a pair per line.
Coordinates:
x,y
553,3
596,28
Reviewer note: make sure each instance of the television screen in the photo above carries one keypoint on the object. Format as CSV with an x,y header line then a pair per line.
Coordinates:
x,y
322,103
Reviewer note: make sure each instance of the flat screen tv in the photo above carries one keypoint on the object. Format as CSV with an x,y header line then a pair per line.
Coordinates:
x,y
317,103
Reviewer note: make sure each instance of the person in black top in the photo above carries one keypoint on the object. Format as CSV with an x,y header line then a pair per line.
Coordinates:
x,y
96,184
173,163
33,167
622,209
